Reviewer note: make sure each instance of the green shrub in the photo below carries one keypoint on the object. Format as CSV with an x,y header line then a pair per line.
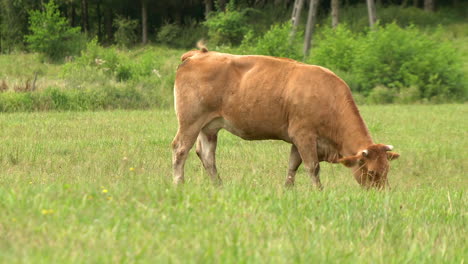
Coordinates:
x,y
179,36
56,99
51,35
123,72
169,33
395,58
276,42
381,95
15,102
408,95
227,27
335,48
125,35
356,17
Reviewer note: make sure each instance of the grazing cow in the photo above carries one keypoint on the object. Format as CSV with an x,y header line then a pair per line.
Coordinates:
x,y
261,97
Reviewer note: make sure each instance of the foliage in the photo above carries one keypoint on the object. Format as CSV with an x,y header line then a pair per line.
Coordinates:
x,y
380,95
335,48
126,33
395,58
169,33
275,42
179,36
227,27
13,20
356,18
56,99
51,35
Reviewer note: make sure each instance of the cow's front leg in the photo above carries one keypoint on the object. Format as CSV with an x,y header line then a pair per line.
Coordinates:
x,y
294,163
307,147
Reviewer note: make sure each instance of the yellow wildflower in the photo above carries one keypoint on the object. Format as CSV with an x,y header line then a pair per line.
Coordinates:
x,y
104,190
47,211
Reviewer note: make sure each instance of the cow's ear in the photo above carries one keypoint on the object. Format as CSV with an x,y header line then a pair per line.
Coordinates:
x,y
392,155
350,161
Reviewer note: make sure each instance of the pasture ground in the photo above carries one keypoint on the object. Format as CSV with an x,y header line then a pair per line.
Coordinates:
x,y
95,187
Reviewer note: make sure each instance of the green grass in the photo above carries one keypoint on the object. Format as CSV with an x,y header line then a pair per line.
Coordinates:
x,y
95,187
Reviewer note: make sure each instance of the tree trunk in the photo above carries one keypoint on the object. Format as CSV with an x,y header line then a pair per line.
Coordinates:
x,y
372,12
222,5
429,5
296,16
72,15
144,22
335,6
84,16
108,19
311,18
99,18
416,3
208,7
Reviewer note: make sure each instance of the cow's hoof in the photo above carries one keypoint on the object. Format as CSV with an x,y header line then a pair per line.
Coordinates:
x,y
179,181
218,182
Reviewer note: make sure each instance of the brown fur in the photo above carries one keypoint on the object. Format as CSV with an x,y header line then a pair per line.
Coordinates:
x,y
261,97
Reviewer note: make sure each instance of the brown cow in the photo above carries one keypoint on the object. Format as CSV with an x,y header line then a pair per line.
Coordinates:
x,y
261,97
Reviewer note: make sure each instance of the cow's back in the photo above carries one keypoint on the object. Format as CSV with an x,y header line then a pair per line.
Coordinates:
x,y
258,95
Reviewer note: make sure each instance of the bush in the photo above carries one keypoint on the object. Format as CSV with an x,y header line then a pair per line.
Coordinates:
x,y
395,58
51,35
408,95
276,42
181,36
335,48
125,35
227,27
356,17
381,95
169,33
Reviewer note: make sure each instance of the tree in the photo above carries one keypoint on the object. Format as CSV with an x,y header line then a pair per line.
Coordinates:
x,y
335,5
208,7
144,22
51,34
312,16
84,16
296,16
372,12
429,5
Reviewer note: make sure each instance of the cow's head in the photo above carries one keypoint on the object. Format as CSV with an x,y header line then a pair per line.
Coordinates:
x,y
370,166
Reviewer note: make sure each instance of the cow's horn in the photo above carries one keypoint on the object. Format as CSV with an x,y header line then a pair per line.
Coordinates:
x,y
365,152
389,147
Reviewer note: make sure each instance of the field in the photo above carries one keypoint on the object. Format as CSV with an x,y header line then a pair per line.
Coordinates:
x,y
96,187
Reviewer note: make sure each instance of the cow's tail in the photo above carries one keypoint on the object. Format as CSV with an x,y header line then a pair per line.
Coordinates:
x,y
201,49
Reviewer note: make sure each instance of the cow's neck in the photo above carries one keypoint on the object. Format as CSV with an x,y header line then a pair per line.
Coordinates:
x,y
353,133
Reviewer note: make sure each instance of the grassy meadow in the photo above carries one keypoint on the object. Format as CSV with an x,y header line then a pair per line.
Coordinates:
x,y
96,187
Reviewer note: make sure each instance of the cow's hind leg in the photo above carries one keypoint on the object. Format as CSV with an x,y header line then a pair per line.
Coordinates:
x,y
307,146
206,151
294,163
181,146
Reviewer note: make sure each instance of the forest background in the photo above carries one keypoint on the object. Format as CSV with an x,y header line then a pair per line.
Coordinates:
x,y
101,54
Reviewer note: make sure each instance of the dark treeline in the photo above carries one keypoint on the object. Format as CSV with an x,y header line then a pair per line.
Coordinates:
x,y
99,18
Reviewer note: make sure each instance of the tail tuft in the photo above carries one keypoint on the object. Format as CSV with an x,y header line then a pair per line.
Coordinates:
x,y
201,46
202,49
